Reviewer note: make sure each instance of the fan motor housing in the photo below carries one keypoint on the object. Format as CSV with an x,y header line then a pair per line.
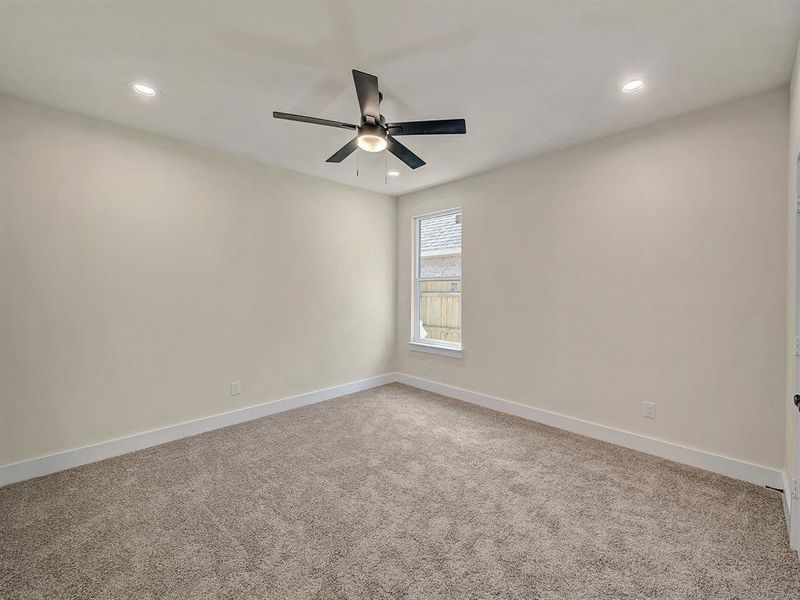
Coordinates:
x,y
376,130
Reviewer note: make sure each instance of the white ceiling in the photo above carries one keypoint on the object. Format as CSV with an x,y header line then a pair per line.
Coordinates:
x,y
527,76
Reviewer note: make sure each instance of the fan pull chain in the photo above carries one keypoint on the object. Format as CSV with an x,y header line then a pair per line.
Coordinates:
x,y
385,172
357,153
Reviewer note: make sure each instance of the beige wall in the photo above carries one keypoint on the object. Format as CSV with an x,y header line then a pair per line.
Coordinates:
x,y
654,268
140,276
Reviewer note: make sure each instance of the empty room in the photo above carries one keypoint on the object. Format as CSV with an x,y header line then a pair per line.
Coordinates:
x,y
348,299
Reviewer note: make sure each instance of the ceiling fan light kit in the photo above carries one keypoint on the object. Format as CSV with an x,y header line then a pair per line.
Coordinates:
x,y
372,138
374,134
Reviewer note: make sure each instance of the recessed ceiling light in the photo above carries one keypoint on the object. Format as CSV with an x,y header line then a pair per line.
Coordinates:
x,y
144,90
633,85
393,173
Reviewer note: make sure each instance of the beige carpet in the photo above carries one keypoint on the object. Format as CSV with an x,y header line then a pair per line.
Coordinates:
x,y
392,493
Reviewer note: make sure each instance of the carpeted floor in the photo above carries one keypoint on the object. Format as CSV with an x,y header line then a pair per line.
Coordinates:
x,y
392,493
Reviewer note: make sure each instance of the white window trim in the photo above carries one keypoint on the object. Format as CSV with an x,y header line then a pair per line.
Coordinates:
x,y
431,348
417,344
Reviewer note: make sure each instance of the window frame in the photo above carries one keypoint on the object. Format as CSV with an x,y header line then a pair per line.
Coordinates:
x,y
442,348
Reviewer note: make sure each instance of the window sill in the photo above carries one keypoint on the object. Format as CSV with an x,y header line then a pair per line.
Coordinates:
x,y
452,352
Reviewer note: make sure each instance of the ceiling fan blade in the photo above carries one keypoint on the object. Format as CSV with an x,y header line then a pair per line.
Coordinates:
x,y
368,97
403,153
442,126
344,151
312,120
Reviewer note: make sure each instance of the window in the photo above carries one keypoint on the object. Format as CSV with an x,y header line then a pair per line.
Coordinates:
x,y
437,283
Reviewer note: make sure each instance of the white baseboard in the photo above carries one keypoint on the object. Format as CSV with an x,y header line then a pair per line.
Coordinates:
x,y
44,465
715,463
67,459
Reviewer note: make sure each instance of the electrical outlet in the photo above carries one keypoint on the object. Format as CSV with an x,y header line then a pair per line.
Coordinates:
x,y
430,365
236,388
649,410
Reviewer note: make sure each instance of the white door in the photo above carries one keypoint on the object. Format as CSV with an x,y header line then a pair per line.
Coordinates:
x,y
794,483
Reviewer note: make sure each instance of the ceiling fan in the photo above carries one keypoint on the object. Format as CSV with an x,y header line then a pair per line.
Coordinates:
x,y
374,133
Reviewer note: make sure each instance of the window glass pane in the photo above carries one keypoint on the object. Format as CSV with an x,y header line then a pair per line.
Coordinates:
x,y
439,278
440,246
440,310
